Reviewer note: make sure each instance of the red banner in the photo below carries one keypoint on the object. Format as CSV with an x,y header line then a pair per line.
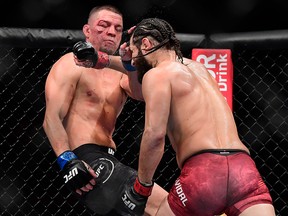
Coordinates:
x,y
220,66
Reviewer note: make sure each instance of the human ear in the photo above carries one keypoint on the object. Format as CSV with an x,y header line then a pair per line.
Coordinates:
x,y
86,30
146,44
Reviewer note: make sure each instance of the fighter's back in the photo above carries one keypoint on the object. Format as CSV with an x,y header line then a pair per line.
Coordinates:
x,y
200,117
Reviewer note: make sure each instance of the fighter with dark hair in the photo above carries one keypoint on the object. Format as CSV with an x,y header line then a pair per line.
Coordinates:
x,y
183,101
166,39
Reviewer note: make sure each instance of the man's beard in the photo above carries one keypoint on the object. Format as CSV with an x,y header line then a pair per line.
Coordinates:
x,y
141,65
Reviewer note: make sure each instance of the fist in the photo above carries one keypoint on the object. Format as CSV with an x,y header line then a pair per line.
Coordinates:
x,y
78,176
134,198
86,56
83,50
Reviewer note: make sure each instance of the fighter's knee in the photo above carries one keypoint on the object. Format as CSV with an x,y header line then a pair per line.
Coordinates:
x,y
164,208
155,199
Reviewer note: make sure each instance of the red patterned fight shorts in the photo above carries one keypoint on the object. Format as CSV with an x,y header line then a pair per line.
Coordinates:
x,y
218,182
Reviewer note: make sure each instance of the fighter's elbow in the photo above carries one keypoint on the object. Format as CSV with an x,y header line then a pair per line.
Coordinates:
x,y
45,124
157,136
136,93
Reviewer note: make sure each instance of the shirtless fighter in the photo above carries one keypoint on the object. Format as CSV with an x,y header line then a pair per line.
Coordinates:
x,y
82,105
183,100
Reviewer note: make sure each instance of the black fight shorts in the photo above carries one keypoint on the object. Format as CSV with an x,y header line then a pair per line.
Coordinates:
x,y
112,179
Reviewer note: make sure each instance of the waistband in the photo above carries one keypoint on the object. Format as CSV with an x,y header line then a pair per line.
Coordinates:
x,y
90,147
221,151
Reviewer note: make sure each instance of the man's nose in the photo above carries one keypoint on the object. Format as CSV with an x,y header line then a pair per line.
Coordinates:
x,y
111,30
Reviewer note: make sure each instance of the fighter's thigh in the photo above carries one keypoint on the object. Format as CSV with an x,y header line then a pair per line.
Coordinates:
x,y
164,209
259,210
158,194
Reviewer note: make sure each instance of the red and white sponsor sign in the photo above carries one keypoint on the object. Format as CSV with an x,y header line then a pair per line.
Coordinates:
x,y
220,66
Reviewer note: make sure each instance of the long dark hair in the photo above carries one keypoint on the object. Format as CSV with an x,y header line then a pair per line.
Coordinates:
x,y
161,31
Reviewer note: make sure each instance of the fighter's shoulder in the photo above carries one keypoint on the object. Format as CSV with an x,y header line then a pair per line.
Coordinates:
x,y
192,63
195,67
65,59
65,62
65,68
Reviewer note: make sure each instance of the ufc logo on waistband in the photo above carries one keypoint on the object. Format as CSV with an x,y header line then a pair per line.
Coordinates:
x,y
71,174
127,202
111,151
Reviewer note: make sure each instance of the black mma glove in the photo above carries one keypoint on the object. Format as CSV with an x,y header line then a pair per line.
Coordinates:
x,y
135,197
73,171
89,57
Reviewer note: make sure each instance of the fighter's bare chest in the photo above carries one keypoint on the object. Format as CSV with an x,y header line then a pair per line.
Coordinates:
x,y
100,86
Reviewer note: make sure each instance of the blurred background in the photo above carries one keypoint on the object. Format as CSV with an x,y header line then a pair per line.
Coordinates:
x,y
186,16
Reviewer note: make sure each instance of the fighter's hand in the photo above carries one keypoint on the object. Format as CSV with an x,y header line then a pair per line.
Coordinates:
x,y
130,30
77,175
86,56
91,183
135,197
124,51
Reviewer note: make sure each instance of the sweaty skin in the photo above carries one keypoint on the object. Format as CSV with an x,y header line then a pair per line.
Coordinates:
x,y
82,104
87,101
191,125
207,122
184,102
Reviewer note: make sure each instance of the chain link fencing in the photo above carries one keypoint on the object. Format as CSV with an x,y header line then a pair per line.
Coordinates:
x,y
30,182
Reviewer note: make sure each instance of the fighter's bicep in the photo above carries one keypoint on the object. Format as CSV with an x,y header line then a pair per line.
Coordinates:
x,y
124,84
59,91
131,86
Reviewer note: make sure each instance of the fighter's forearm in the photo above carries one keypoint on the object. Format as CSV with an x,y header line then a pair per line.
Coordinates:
x,y
151,152
135,86
116,64
56,134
